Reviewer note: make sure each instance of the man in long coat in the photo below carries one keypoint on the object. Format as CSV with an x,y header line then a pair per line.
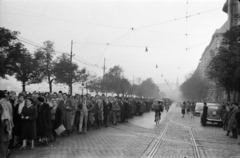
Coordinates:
x,y
66,106
204,115
232,122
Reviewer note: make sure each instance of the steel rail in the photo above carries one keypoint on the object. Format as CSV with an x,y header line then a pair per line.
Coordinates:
x,y
157,144
196,151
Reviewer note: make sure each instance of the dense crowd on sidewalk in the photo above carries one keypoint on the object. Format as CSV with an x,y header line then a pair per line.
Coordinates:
x,y
39,118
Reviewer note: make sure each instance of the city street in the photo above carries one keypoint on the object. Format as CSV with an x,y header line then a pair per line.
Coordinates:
x,y
140,137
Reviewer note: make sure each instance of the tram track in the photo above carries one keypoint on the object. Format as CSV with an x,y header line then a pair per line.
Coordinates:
x,y
162,138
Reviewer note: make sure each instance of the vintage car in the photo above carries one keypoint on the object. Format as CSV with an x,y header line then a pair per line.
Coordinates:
x,y
198,109
215,113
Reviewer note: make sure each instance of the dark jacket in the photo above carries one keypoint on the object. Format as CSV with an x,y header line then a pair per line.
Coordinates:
x,y
44,120
237,118
58,119
29,125
17,121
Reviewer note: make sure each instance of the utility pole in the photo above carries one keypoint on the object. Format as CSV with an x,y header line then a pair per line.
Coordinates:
x,y
104,67
133,79
71,74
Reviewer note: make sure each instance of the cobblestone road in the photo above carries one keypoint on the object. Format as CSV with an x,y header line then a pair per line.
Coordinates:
x,y
132,140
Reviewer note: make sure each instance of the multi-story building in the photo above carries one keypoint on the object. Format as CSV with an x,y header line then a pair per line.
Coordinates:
x,y
232,8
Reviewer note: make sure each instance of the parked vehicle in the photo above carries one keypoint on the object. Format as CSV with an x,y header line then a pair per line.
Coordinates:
x,y
215,113
178,104
198,109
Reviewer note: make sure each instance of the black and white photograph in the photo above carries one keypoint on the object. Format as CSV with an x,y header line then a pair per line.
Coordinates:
x,y
119,78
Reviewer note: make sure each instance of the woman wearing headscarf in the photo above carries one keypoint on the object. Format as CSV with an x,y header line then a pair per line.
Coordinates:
x,y
29,116
43,121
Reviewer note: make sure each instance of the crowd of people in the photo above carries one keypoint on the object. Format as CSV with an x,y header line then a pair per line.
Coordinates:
x,y
230,117
39,118
231,120
189,108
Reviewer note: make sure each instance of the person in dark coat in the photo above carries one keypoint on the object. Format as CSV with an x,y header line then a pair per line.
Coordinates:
x,y
126,108
28,116
43,121
107,107
122,108
183,106
56,118
237,118
138,104
17,121
204,115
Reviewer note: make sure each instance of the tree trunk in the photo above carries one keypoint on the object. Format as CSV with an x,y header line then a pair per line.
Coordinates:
x,y
70,89
50,85
23,86
228,95
234,96
238,97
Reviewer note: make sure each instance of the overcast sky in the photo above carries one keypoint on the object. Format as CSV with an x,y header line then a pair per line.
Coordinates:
x,y
103,29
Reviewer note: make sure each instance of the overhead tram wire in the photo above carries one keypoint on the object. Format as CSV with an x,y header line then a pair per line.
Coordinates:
x,y
39,46
61,18
111,43
176,19
186,35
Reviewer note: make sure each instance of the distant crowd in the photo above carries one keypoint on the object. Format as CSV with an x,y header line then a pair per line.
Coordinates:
x,y
39,118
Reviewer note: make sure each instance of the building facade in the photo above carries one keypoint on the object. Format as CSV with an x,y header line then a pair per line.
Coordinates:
x,y
232,8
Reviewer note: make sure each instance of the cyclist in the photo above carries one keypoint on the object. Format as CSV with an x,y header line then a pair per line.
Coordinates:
x,y
158,107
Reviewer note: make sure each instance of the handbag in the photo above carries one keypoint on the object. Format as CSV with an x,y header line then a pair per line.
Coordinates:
x,y
60,129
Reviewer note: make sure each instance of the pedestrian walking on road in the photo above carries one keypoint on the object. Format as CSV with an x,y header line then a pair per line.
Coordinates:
x,y
237,118
204,114
192,109
183,106
232,121
188,107
225,116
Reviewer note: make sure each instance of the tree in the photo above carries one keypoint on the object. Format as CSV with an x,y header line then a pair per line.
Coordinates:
x,y
44,58
7,39
23,67
113,81
124,86
147,88
63,69
94,83
195,88
224,67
